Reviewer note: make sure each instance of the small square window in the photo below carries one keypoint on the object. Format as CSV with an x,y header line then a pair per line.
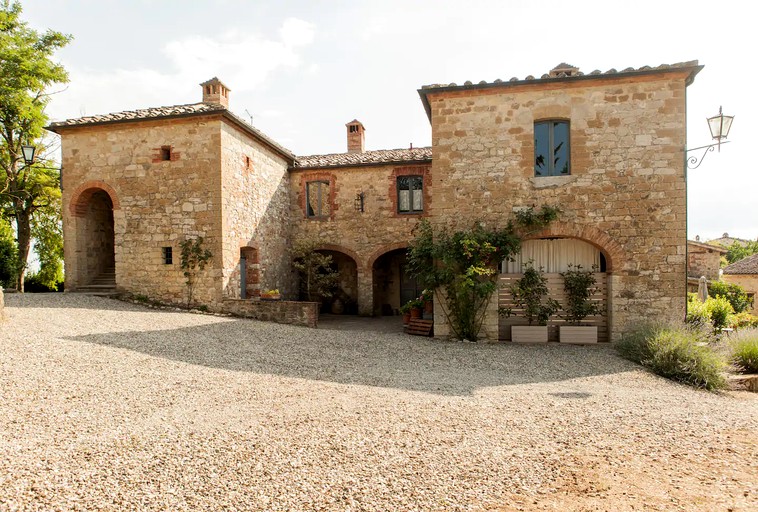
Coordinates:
x,y
410,194
166,153
317,202
168,255
247,162
552,156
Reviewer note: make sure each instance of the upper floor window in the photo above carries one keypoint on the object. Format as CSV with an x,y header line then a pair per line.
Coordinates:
x,y
551,148
410,194
317,200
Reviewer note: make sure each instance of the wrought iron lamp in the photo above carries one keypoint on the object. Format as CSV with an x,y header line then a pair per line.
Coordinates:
x,y
719,126
28,155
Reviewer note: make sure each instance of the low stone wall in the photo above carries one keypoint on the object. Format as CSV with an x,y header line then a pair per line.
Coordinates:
x,y
279,311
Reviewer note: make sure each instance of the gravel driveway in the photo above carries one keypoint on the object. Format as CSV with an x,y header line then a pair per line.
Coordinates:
x,y
111,406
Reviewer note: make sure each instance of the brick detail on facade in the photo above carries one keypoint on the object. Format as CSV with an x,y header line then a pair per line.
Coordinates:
x,y
79,201
612,250
412,170
158,154
333,189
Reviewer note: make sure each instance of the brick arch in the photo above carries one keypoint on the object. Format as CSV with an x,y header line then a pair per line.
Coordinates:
x,y
382,251
83,193
343,250
612,250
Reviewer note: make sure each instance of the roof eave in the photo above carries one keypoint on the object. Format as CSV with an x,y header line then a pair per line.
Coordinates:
x,y
424,92
361,164
288,155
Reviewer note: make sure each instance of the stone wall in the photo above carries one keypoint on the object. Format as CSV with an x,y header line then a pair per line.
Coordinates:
x,y
157,202
702,261
255,202
2,305
363,236
280,311
626,192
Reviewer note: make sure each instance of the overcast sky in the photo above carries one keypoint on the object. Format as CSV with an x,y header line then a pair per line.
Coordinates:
x,y
302,69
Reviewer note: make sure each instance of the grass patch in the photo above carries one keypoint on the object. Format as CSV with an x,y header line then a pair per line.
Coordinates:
x,y
744,350
677,352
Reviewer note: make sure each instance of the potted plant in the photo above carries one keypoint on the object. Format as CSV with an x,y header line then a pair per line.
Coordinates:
x,y
405,310
271,295
428,296
416,307
529,294
579,286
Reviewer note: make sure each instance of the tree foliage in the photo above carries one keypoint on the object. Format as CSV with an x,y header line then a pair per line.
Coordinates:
x,y
739,251
195,257
7,255
530,294
26,72
734,293
318,280
579,285
462,267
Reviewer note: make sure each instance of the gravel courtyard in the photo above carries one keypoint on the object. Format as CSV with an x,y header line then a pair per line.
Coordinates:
x,y
110,406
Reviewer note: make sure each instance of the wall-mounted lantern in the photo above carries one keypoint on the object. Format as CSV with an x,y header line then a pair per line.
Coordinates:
x,y
719,125
359,201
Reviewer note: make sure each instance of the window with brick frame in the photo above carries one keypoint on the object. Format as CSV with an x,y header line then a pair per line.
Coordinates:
x,y
552,154
317,201
410,194
166,153
168,256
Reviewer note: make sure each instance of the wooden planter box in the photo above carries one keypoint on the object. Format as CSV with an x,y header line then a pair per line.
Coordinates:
x,y
578,334
529,333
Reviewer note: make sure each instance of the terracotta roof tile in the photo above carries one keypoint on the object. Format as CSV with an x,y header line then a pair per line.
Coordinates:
x,y
384,156
192,109
145,113
547,77
747,265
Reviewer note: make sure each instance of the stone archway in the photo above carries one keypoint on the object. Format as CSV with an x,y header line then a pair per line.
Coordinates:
x,y
392,286
92,210
345,298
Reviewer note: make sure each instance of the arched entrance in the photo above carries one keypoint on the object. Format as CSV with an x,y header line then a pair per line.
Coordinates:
x,y
393,287
95,238
554,255
345,297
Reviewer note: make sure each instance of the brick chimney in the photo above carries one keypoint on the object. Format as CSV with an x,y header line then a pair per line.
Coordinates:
x,y
356,136
215,92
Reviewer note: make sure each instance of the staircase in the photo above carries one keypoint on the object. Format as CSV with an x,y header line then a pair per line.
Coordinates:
x,y
104,284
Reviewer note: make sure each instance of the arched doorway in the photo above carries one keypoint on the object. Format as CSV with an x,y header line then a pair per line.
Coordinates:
x,y
344,300
95,237
393,287
552,256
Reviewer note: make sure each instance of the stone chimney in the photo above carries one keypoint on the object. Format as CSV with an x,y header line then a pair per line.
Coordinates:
x,y
356,136
215,92
563,70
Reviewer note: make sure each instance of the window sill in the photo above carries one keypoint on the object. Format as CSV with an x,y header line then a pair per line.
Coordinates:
x,y
552,181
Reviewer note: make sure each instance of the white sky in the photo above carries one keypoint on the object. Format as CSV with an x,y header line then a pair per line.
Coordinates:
x,y
305,68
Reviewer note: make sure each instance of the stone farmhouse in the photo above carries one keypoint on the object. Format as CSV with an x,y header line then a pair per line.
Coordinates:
x,y
607,147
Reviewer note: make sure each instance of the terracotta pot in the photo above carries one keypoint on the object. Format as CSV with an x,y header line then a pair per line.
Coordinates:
x,y
266,296
428,307
406,318
338,307
416,312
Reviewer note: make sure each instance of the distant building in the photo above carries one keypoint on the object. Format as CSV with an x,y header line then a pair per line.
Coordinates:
x,y
745,274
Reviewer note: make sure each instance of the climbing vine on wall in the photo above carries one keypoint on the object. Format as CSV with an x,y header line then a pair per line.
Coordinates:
x,y
462,266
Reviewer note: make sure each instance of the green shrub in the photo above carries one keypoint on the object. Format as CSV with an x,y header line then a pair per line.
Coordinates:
x,y
697,312
34,284
719,309
677,352
734,293
744,348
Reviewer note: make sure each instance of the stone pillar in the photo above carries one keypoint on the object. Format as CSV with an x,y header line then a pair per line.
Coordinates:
x,y
365,292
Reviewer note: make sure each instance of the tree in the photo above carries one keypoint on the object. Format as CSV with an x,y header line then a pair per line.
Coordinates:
x,y
739,251
26,73
194,259
318,279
